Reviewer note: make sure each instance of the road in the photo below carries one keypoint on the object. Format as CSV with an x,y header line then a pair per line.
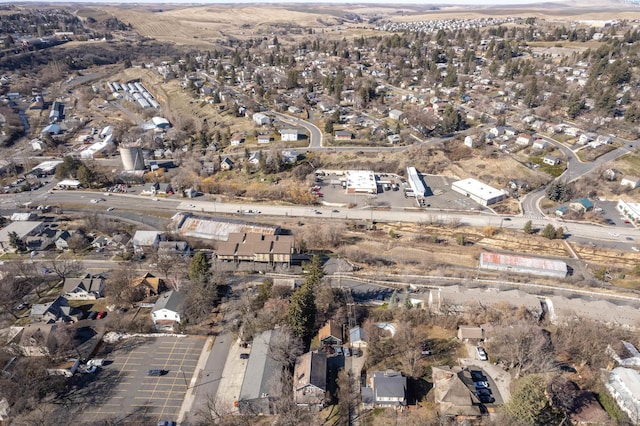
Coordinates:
x,y
315,134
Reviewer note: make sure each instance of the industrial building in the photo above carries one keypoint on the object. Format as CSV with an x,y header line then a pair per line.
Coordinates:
x,y
523,264
361,182
215,228
479,192
46,168
131,156
630,211
100,147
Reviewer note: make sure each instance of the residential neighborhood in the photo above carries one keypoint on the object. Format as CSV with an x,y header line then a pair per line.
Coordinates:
x,y
319,214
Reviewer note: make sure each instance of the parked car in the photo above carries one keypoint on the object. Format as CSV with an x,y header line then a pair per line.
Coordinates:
x,y
92,315
480,385
478,376
95,362
338,350
156,372
244,356
483,392
347,351
482,354
101,314
166,423
486,399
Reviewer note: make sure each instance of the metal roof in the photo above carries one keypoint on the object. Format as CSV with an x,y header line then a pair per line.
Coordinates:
x,y
262,376
214,228
524,262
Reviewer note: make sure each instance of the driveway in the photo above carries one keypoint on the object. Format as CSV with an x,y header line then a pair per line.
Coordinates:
x,y
499,379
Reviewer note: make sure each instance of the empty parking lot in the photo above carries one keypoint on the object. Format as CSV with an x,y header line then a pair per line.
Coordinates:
x,y
132,395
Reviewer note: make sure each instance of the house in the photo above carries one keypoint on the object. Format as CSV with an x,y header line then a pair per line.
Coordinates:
x,y
254,157
495,132
290,156
289,135
357,338
88,287
167,311
147,285
611,174
146,241
23,216
310,380
389,388
190,193
581,205
236,140
174,248
260,119
631,181
164,189
255,247
468,141
343,135
34,339
262,382
263,139
393,139
624,385
62,240
226,164
99,242
453,397
396,114
54,311
551,160
540,144
150,188
330,334
470,333
52,129
23,230
524,140
561,211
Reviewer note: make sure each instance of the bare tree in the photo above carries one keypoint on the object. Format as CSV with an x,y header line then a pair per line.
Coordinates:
x,y
285,347
64,266
408,346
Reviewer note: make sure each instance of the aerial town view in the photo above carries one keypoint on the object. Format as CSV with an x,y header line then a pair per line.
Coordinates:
x,y
320,214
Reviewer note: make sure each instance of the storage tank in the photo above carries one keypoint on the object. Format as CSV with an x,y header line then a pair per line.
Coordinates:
x,y
131,157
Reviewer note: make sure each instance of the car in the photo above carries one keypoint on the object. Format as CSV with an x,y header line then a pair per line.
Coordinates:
x,y
318,212
478,376
335,211
20,307
486,399
507,219
98,362
347,351
481,384
92,315
244,356
609,221
635,248
101,314
338,350
483,392
166,423
110,209
629,238
482,354
156,372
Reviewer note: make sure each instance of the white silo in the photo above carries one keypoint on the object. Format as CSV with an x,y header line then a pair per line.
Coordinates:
x,y
131,157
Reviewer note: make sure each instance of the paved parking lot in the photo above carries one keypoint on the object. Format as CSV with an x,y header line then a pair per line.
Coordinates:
x,y
134,395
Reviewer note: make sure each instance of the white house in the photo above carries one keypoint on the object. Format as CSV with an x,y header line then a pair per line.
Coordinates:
x,y
167,311
146,240
396,114
289,135
89,287
551,160
260,119
389,388
539,144
631,181
524,140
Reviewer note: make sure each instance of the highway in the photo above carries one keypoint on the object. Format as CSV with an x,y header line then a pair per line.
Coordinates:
x,y
130,202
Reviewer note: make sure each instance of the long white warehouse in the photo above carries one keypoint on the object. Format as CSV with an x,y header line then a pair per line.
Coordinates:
x,y
479,192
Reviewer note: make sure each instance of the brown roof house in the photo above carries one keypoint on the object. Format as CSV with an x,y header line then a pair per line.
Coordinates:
x,y
148,285
256,247
452,395
330,334
310,380
470,333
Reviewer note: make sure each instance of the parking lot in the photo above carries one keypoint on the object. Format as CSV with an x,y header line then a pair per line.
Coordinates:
x,y
130,394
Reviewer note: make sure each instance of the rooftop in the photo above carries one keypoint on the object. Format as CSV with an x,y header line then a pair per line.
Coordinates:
x,y
262,376
523,261
478,188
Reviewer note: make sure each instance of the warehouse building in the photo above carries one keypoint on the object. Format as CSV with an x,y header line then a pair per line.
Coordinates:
x,y
479,192
523,264
361,182
630,211
215,228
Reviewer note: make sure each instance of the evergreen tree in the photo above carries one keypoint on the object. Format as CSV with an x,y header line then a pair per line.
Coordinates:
x,y
199,268
528,227
17,243
549,232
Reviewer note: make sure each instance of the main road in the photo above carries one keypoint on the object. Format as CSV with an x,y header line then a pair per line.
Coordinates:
x,y
127,202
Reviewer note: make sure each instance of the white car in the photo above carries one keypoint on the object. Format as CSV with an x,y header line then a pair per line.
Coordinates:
x,y
482,354
634,248
110,209
481,384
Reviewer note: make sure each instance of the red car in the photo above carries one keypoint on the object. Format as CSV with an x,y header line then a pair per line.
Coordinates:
x,y
101,314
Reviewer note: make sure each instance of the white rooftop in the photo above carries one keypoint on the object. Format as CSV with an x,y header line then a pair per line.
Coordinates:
x,y
477,188
361,180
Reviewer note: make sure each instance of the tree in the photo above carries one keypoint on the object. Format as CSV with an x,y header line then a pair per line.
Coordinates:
x,y
85,176
68,168
202,297
549,232
558,191
528,227
301,315
17,243
64,266
199,268
559,233
285,347
529,403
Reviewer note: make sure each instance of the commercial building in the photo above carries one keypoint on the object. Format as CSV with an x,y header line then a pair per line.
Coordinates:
x,y
523,264
46,168
629,210
262,379
479,192
215,228
361,182
415,182
22,229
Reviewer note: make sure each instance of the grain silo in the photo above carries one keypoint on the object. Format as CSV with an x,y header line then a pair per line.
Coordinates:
x,y
131,157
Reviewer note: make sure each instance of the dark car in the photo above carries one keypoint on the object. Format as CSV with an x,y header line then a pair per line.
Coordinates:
x,y
485,399
156,372
609,222
483,392
244,356
92,315
101,314
166,423
478,376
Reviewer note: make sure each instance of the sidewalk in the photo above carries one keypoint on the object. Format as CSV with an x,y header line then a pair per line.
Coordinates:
x,y
189,397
